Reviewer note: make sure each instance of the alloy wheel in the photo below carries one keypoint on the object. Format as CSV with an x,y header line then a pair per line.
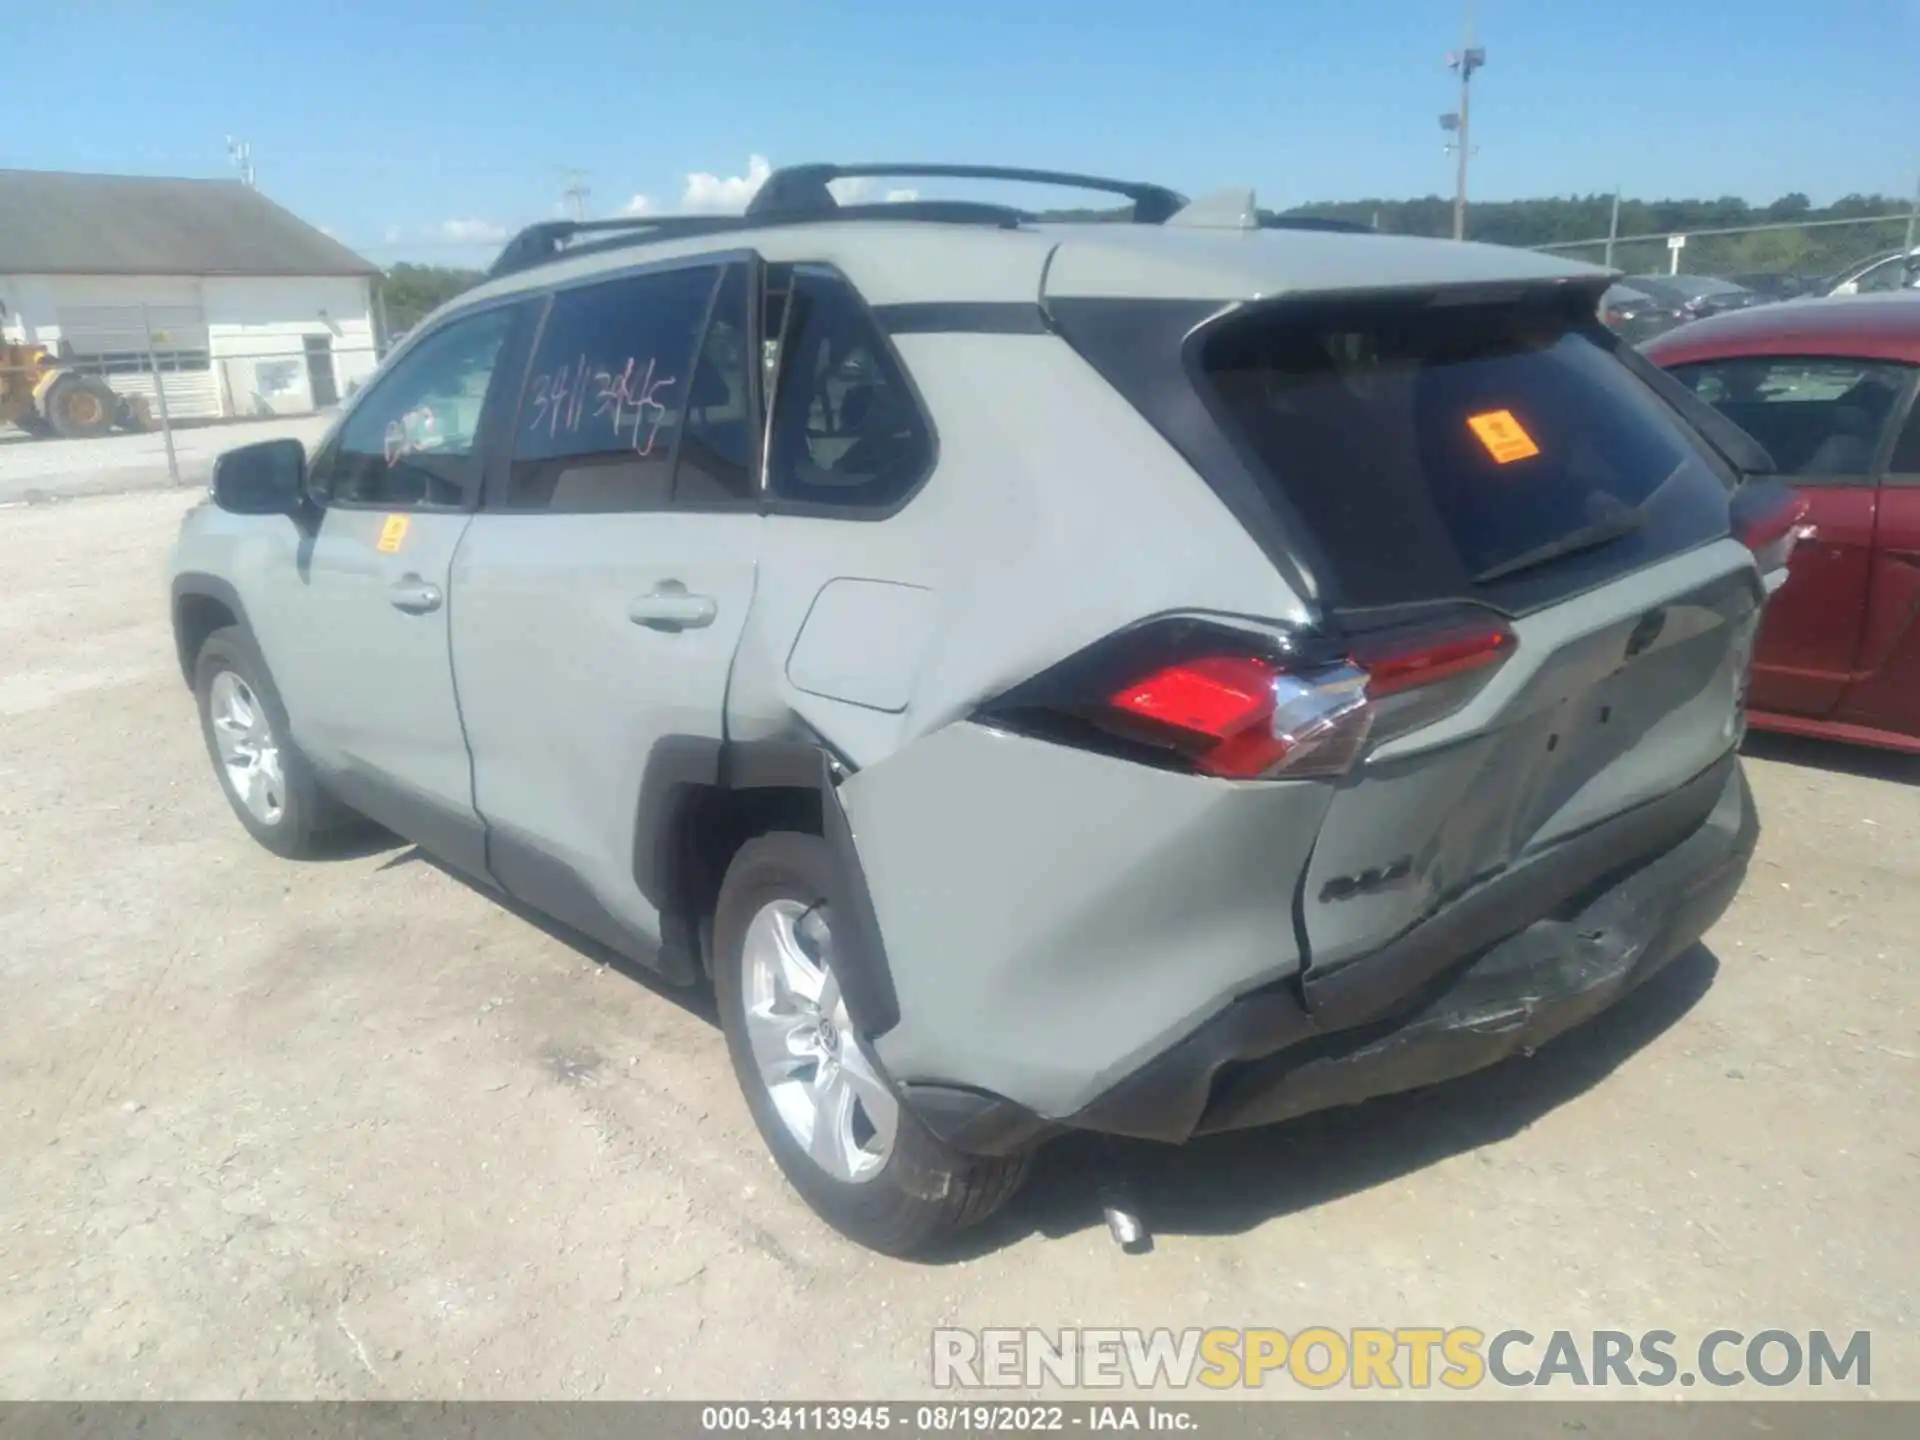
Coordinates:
x,y
249,752
826,1091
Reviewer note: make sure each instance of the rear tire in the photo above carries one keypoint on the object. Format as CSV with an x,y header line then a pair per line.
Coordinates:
x,y
79,407
265,778
874,1172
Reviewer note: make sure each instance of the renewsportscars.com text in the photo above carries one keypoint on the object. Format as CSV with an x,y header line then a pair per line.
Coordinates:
x,y
1404,1357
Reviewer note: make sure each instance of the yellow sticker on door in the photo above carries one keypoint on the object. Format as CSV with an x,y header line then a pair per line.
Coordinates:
x,y
392,532
1506,438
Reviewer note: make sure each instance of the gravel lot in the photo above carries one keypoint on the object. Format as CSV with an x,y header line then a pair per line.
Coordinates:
x,y
351,1129
32,471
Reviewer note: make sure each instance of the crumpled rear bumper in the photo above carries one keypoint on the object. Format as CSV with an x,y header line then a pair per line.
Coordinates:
x,y
1272,1056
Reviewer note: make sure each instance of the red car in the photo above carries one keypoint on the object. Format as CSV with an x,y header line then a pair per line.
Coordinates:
x,y
1828,386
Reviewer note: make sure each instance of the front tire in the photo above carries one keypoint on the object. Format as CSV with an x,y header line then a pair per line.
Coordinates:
x,y
859,1158
79,407
264,776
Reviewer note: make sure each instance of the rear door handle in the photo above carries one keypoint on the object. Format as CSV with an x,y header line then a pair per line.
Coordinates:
x,y
414,595
670,608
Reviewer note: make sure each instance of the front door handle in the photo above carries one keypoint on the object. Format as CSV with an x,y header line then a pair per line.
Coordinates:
x,y
414,595
670,608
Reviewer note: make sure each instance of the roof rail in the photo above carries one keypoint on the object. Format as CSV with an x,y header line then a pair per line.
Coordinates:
x,y
799,189
551,239
798,194
545,241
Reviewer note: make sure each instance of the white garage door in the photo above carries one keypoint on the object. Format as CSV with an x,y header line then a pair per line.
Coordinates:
x,y
115,341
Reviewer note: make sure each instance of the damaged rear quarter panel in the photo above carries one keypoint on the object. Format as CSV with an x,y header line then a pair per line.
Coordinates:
x,y
1053,918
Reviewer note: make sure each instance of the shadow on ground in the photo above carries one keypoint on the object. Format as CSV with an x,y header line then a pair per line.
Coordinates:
x,y
1227,1184
696,1001
1832,756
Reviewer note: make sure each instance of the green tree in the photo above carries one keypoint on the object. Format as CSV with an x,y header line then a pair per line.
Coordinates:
x,y
412,292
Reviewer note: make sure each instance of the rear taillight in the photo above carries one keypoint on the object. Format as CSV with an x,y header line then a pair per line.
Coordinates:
x,y
1768,519
1432,657
1216,701
1240,716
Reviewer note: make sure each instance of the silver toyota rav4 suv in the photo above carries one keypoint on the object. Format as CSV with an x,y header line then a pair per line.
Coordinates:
x,y
1148,677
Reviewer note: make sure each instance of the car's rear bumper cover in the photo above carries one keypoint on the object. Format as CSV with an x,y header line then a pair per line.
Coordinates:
x,y
1435,1004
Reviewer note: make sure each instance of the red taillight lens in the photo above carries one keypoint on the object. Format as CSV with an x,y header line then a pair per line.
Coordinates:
x,y
1218,708
1428,661
1218,695
1243,716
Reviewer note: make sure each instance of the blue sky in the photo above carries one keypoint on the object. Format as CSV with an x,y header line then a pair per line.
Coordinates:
x,y
423,128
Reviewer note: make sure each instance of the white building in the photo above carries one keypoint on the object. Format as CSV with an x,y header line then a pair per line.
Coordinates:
x,y
243,308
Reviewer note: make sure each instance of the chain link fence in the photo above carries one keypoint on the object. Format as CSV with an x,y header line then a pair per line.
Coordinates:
x,y
1779,259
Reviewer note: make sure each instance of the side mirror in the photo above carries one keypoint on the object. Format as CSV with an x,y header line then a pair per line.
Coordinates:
x,y
269,478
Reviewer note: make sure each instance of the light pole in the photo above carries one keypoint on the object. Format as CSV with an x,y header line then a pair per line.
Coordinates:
x,y
1463,62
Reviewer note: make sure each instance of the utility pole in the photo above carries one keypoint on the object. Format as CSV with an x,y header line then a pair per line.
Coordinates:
x,y
1463,62
1613,227
576,192
241,154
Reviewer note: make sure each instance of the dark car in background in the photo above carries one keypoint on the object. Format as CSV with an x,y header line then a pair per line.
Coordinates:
x,y
1829,387
1696,296
1634,315
1769,286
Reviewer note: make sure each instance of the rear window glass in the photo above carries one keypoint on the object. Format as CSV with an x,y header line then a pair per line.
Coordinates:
x,y
1433,449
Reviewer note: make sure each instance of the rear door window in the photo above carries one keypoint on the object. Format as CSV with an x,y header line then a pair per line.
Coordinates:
x,y
609,392
1818,417
1442,450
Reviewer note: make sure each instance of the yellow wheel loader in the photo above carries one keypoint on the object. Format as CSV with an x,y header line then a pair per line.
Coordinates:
x,y
44,397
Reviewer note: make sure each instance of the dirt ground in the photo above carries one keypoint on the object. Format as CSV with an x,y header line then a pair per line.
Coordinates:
x,y
33,470
352,1129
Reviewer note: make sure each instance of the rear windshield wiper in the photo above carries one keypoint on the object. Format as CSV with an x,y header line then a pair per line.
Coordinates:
x,y
1587,537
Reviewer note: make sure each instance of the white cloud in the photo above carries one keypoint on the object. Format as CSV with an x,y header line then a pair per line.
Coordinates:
x,y
472,232
640,205
729,194
851,191
395,234
901,197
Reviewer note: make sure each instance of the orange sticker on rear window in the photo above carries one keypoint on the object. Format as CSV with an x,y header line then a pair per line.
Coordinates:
x,y
1506,438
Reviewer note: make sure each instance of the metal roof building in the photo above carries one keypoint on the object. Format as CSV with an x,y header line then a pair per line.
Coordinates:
x,y
236,304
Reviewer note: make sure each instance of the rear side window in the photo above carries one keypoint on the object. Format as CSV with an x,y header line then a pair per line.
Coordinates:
x,y
847,431
608,394
1435,450
1817,416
